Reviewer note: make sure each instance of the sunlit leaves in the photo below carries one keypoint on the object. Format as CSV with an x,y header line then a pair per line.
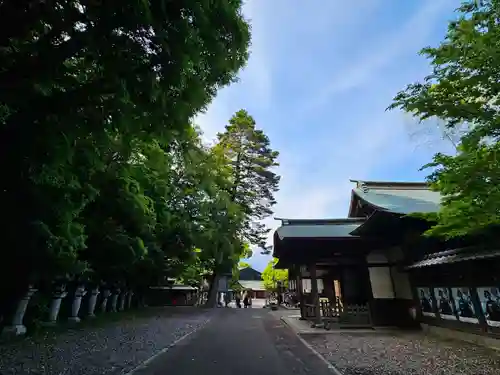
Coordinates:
x,y
464,89
272,276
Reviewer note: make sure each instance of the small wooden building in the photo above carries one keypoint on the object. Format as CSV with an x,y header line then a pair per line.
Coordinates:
x,y
250,281
174,295
254,288
376,268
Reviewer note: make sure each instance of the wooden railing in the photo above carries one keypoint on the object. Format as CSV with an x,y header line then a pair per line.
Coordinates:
x,y
355,316
344,316
309,311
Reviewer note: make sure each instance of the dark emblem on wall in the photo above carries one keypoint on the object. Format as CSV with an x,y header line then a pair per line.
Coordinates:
x,y
444,303
425,300
489,298
464,305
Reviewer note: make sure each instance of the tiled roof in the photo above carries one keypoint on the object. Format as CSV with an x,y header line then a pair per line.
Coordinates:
x,y
174,287
456,255
401,201
314,229
252,284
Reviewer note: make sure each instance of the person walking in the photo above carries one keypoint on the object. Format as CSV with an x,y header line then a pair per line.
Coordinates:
x,y
245,300
237,298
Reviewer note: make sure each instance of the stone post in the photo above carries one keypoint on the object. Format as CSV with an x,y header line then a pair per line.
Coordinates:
x,y
17,327
114,300
123,297
92,302
55,304
129,299
77,302
104,304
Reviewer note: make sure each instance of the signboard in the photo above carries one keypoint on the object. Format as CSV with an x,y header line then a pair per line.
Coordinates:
x,y
489,298
426,302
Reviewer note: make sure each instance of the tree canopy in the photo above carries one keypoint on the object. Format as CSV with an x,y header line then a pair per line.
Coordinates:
x,y
105,177
271,276
463,92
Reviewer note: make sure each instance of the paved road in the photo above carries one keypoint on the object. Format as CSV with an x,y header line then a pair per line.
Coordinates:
x,y
256,304
239,341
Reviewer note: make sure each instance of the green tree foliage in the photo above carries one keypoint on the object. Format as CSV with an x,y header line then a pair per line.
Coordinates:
x,y
242,265
253,181
463,92
271,276
103,174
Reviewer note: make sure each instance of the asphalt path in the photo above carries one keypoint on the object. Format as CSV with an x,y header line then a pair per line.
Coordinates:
x,y
238,341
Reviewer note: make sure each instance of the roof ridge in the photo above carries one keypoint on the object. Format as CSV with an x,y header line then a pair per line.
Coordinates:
x,y
345,220
391,183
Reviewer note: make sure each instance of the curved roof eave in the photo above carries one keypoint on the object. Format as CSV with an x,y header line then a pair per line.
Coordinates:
x,y
398,203
368,223
339,229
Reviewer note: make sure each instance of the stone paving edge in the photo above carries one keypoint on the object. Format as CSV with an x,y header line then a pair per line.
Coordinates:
x,y
145,364
330,366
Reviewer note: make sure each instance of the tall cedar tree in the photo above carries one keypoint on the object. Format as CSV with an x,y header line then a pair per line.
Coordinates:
x,y
464,91
253,181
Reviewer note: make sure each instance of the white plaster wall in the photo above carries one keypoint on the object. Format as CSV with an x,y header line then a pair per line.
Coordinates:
x,y
376,258
380,278
306,285
401,284
395,254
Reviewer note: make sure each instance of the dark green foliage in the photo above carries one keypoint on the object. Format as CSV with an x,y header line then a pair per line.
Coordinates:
x,y
103,174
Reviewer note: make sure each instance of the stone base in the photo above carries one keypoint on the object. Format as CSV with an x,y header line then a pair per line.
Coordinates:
x,y
17,330
74,319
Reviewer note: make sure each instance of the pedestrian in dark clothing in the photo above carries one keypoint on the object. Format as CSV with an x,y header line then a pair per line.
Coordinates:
x,y
227,299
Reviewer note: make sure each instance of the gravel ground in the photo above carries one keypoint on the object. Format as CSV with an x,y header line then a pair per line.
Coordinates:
x,y
113,348
403,354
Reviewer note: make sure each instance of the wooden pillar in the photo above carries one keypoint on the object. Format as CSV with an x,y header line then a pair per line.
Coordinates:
x,y
314,293
300,292
328,288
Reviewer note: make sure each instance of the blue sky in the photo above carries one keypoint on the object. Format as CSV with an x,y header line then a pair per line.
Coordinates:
x,y
320,75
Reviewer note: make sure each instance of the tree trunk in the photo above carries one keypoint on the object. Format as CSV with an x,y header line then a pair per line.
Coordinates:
x,y
212,292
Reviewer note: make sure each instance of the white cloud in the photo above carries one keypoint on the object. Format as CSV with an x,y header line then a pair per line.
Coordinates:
x,y
409,38
349,153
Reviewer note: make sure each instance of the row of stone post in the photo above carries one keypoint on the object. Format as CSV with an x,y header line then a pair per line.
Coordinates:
x,y
112,300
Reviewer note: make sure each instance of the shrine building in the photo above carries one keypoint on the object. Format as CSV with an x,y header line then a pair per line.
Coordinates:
x,y
375,268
